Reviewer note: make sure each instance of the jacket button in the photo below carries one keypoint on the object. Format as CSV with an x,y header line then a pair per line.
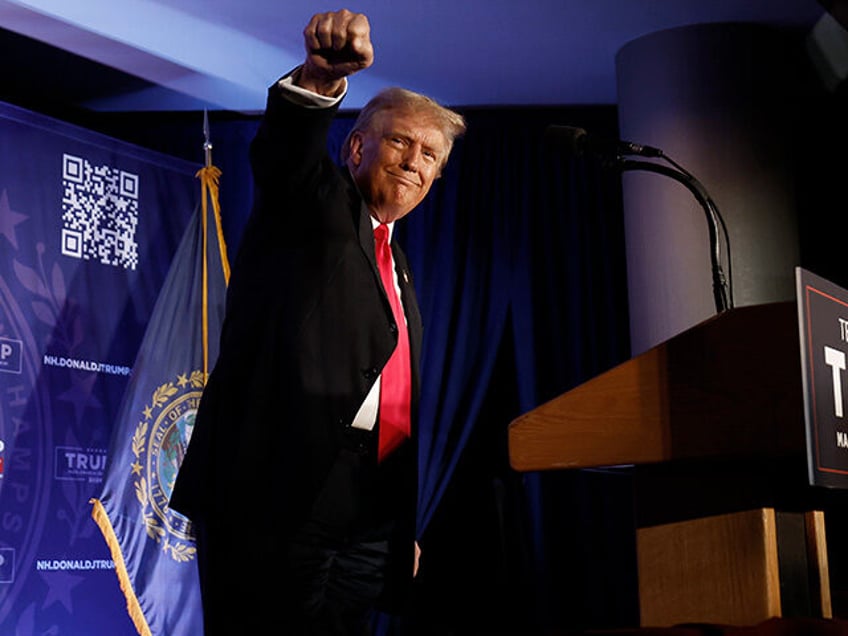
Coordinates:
x,y
393,327
371,373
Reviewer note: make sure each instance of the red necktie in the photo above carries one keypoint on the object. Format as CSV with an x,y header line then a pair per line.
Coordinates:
x,y
396,378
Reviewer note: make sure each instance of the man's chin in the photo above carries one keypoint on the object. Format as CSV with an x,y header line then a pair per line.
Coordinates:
x,y
403,205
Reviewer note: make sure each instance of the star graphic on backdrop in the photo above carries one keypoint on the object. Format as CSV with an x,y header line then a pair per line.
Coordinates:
x,y
9,219
80,394
59,587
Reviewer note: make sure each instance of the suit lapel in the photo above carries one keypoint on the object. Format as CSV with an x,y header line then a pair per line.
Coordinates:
x,y
366,237
408,298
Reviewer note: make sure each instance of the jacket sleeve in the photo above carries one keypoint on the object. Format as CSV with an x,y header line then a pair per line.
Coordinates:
x,y
290,146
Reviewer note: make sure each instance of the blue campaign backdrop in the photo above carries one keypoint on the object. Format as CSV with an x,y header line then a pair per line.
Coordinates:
x,y
88,229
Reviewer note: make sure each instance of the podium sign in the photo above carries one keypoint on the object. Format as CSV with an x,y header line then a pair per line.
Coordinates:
x,y
823,330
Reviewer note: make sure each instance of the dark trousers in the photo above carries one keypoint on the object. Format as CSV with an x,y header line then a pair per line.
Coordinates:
x,y
335,585
313,585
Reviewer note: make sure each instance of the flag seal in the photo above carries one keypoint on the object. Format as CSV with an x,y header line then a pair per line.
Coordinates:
x,y
159,443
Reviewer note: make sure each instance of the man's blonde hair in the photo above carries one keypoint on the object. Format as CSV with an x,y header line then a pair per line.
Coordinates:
x,y
449,122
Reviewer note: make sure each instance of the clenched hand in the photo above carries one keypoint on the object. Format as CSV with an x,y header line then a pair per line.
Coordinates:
x,y
338,44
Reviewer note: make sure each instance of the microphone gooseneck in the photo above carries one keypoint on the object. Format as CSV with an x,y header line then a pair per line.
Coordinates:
x,y
577,142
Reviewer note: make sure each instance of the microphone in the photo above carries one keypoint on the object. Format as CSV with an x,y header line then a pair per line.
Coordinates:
x,y
578,142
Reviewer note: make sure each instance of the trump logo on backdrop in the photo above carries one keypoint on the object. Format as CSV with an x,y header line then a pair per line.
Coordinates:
x,y
10,355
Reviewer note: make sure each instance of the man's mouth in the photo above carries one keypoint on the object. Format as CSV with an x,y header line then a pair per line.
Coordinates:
x,y
404,179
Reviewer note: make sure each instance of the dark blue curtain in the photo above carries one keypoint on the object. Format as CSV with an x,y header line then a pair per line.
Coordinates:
x,y
519,247
518,257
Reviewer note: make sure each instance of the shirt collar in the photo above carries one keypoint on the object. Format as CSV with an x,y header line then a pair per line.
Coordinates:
x,y
375,223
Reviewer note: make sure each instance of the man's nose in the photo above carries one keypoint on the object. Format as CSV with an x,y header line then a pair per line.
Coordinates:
x,y
412,158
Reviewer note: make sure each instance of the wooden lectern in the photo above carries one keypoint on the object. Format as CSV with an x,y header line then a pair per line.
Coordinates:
x,y
713,423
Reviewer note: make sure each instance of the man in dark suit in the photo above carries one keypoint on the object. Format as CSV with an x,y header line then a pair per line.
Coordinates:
x,y
301,474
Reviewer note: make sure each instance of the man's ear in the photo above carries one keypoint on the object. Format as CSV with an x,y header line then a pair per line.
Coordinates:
x,y
355,156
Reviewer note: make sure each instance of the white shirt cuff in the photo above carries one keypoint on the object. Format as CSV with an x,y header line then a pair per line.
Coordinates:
x,y
306,98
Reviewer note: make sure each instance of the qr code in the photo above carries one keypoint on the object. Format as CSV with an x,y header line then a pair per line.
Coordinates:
x,y
99,213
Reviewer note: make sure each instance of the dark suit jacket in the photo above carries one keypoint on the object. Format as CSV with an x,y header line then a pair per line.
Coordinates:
x,y
307,331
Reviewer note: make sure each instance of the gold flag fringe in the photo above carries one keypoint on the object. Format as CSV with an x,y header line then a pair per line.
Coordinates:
x,y
98,513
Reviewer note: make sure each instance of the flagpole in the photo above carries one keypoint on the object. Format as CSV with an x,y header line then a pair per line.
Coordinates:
x,y
207,144
207,150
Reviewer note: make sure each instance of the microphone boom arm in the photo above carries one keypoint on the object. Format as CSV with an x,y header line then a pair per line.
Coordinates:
x,y
714,221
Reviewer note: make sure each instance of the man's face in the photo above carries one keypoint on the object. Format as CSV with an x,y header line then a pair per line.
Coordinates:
x,y
395,162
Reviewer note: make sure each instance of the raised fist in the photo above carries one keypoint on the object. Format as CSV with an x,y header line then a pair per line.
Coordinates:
x,y
337,44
